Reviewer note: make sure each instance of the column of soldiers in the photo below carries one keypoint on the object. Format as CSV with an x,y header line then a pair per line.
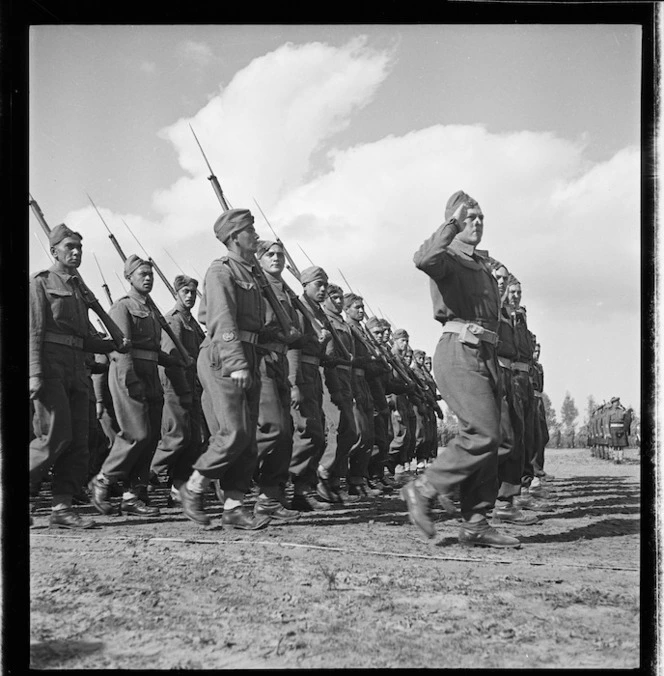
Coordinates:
x,y
609,430
333,410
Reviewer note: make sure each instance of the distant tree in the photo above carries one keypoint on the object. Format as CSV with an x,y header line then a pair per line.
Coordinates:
x,y
591,406
568,412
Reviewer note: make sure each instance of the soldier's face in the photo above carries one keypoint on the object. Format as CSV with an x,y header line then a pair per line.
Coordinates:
x,y
419,360
501,275
356,310
378,334
335,301
402,344
409,356
514,295
427,363
536,353
187,295
473,227
273,260
247,239
68,251
142,279
316,290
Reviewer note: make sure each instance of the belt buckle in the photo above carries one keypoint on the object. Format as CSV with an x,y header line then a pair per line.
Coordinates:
x,y
475,329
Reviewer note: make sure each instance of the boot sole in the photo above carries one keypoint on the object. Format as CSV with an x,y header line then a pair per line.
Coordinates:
x,y
493,545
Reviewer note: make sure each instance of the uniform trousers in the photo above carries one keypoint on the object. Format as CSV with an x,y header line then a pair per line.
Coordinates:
x,y
60,421
381,447
231,414
360,451
180,444
541,437
274,436
401,434
421,434
510,451
308,432
469,382
340,431
139,422
522,383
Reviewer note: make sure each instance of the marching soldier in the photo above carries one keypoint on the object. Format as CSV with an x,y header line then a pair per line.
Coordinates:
x,y
233,309
512,450
403,415
60,333
341,431
364,367
382,385
279,393
133,380
180,444
467,303
309,425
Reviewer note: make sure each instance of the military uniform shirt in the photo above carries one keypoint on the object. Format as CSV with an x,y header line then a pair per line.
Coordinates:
x,y
232,302
461,285
57,306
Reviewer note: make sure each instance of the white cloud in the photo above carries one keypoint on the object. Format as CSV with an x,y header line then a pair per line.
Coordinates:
x,y
568,228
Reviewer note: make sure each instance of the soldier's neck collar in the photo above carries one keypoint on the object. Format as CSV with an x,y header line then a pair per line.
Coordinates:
x,y
462,247
233,255
136,295
62,271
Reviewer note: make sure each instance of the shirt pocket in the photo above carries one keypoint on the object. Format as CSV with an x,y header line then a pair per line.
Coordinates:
x,y
62,302
141,324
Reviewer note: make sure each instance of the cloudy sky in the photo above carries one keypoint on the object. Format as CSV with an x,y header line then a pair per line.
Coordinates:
x,y
351,139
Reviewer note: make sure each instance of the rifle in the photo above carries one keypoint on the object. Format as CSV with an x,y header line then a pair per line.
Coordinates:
x,y
292,268
317,323
88,297
164,279
186,358
151,260
290,332
327,324
104,285
198,293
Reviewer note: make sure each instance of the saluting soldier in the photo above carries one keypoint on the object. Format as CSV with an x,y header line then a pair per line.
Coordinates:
x,y
279,392
340,428
308,420
180,444
233,310
60,335
133,380
466,301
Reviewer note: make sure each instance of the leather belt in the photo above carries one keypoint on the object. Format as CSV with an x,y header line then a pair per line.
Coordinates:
x,y
343,367
309,359
359,372
248,336
145,355
505,362
616,424
280,348
458,325
63,339
521,366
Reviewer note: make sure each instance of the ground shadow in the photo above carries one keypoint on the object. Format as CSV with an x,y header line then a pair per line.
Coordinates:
x,y
50,654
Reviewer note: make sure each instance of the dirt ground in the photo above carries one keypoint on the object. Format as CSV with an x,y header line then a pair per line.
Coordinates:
x,y
351,588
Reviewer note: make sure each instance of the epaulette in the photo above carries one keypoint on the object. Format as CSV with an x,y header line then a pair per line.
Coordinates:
x,y
40,273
